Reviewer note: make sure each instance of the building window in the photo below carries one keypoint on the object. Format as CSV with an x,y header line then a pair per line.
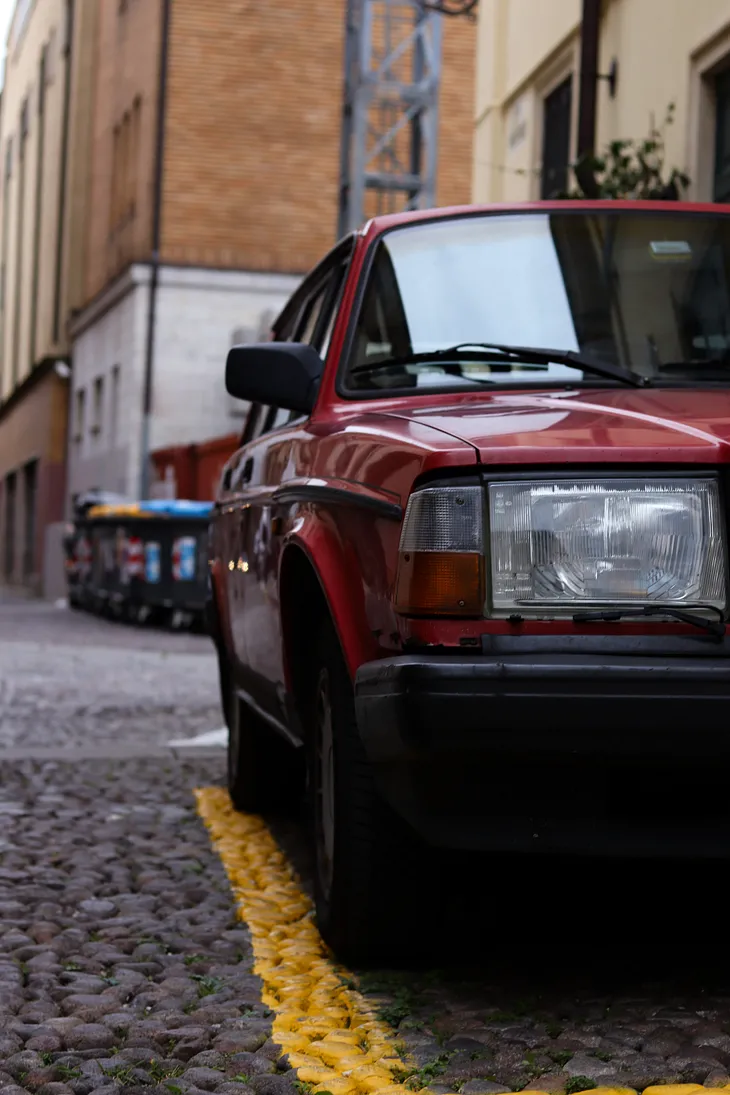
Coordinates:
x,y
98,406
80,416
133,172
19,245
557,112
30,495
19,23
6,207
721,185
25,118
114,205
125,166
51,56
10,511
114,407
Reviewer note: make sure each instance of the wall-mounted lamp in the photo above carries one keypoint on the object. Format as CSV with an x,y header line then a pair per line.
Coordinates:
x,y
62,369
611,78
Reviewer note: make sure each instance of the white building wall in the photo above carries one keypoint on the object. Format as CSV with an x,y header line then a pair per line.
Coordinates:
x,y
200,314
108,337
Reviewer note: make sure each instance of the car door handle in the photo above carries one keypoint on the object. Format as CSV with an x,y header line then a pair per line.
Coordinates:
x,y
247,471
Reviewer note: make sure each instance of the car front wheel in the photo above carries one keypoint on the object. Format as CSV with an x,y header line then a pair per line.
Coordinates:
x,y
359,843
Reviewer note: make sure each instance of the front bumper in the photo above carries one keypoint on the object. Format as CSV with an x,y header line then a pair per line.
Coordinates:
x,y
588,748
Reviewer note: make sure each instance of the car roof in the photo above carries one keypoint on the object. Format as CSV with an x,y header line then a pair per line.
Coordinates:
x,y
377,225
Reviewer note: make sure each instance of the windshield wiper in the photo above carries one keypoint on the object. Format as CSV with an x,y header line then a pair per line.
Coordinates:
x,y
716,628
509,354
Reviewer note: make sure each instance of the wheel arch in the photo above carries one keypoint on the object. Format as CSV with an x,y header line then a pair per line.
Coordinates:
x,y
308,595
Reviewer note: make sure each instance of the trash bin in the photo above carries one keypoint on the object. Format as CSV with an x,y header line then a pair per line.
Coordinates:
x,y
143,561
84,574
110,532
174,576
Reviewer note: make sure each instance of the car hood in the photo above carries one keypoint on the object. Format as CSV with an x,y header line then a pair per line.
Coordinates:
x,y
599,426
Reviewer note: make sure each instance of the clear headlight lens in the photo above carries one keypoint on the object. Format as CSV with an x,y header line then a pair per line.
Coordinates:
x,y
610,542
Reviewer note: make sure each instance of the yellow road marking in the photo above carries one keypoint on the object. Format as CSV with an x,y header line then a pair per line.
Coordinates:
x,y
330,1032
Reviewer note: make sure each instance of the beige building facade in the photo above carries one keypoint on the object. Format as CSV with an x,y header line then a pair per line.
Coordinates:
x,y
45,132
528,82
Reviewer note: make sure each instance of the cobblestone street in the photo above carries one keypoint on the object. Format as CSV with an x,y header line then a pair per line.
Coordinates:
x,y
123,965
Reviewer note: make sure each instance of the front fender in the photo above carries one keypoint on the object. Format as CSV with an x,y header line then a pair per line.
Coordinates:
x,y
334,551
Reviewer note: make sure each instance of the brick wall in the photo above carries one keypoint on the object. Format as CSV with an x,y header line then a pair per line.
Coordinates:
x,y
252,133
253,130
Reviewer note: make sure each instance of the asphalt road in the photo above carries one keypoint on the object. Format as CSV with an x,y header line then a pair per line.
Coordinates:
x,y
123,965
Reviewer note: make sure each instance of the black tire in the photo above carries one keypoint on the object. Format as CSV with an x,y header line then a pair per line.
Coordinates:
x,y
360,866
264,773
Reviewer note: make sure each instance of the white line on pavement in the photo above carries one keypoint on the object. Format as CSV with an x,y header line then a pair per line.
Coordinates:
x,y
211,737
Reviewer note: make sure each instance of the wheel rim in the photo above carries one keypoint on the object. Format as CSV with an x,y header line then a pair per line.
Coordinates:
x,y
324,787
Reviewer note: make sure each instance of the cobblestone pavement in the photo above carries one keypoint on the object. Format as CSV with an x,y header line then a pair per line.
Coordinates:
x,y
70,680
123,966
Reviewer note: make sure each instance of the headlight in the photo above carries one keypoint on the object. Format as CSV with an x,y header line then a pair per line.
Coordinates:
x,y
606,542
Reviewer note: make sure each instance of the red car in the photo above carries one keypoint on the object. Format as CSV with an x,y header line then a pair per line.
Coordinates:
x,y
469,563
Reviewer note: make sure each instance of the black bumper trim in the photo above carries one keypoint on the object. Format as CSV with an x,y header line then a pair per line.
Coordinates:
x,y
489,750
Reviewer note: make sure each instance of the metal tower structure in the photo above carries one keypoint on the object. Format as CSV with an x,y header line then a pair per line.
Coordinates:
x,y
390,114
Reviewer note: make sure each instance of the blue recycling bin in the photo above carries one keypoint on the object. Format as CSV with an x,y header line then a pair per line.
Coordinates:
x,y
174,574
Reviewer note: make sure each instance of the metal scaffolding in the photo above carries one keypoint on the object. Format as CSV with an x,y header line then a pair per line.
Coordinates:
x,y
390,116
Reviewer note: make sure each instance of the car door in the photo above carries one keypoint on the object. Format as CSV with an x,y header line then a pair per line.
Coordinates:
x,y
234,488
271,454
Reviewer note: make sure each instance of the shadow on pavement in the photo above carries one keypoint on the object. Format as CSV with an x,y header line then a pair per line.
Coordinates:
x,y
566,924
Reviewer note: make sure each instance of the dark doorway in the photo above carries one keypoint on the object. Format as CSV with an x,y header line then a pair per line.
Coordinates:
x,y
30,494
11,483
557,111
721,187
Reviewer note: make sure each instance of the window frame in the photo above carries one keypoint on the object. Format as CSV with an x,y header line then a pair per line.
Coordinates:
x,y
288,327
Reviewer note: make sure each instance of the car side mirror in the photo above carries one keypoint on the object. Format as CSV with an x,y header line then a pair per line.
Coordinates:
x,y
279,374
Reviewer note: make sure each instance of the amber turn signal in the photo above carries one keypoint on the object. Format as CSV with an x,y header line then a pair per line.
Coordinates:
x,y
434,583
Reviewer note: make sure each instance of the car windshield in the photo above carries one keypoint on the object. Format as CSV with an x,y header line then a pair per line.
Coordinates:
x,y
644,292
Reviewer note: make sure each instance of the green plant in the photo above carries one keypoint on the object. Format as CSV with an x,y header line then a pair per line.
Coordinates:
x,y
633,169
579,1083
420,1078
403,995
193,959
207,985
69,1072
160,1071
560,1057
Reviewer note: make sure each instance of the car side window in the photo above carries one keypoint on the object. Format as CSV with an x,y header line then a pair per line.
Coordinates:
x,y
337,286
278,417
382,329
255,423
308,326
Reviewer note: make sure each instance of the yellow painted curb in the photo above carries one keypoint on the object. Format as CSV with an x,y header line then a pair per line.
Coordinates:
x,y
332,1035
330,1032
